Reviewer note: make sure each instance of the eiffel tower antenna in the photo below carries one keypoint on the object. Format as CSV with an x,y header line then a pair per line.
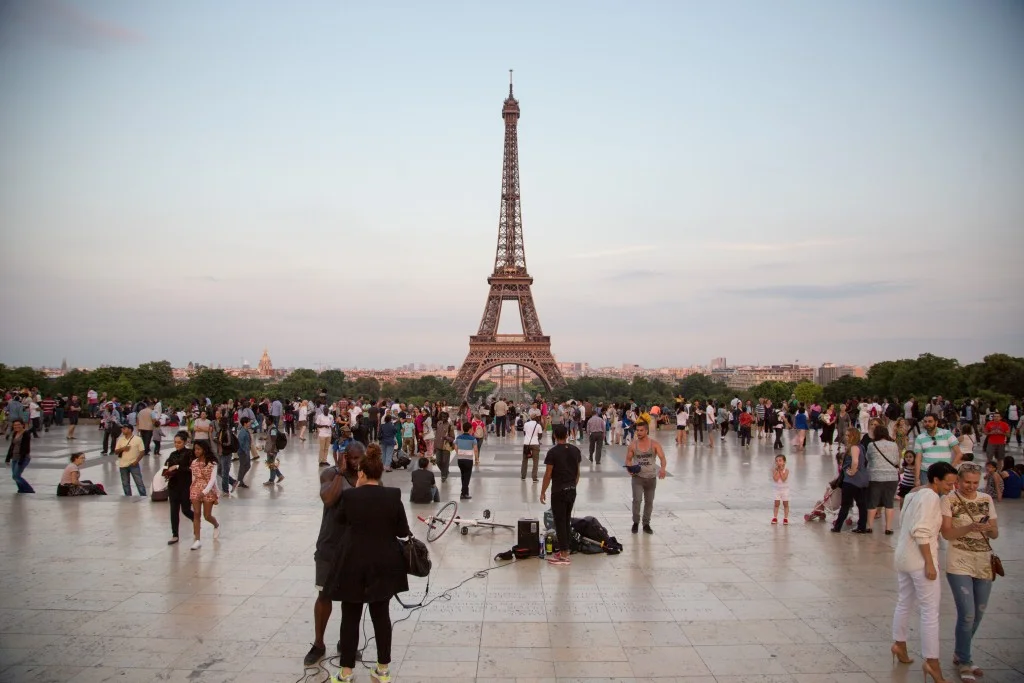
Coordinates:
x,y
510,281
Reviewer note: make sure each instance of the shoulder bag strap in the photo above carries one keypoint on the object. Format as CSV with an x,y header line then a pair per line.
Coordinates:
x,y
968,511
883,455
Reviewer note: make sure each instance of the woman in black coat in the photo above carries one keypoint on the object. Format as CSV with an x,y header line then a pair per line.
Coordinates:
x,y
371,567
178,472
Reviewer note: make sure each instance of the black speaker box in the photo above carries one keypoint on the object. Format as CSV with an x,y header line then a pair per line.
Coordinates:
x,y
529,536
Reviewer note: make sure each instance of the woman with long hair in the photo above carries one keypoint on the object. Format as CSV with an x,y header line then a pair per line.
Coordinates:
x,y
370,568
203,491
444,442
968,521
854,474
303,417
827,420
802,424
917,569
178,472
842,426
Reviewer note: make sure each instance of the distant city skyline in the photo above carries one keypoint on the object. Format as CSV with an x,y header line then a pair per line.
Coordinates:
x,y
765,183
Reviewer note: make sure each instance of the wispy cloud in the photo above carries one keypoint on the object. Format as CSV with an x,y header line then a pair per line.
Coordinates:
x,y
62,23
848,290
632,275
635,249
776,247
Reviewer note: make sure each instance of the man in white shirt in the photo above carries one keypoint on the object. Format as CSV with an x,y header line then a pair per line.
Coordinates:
x,y
324,426
532,431
501,417
710,415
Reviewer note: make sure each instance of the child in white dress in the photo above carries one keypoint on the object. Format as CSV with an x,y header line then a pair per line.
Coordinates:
x,y
780,483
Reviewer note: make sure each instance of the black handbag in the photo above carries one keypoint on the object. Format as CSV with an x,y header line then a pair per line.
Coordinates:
x,y
417,557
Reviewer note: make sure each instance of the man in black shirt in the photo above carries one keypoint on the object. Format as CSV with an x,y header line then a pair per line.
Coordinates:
x,y
332,482
424,487
562,473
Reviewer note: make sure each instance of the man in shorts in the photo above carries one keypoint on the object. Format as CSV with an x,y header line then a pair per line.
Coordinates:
x,y
332,482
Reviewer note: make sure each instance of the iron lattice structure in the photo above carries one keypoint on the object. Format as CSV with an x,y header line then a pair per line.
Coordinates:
x,y
509,282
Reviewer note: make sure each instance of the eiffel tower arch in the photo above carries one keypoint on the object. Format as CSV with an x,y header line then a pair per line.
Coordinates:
x,y
509,281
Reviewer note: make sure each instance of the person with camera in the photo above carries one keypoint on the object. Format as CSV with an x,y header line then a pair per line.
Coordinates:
x,y
370,568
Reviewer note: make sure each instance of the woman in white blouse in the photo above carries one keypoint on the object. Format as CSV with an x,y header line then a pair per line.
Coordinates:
x,y
917,568
303,419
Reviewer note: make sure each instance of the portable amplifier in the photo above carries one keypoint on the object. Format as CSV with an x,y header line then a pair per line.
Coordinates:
x,y
529,536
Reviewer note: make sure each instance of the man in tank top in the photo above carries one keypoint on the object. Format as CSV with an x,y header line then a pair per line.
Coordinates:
x,y
644,474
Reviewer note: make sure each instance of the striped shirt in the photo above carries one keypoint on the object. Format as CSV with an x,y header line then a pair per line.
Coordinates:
x,y
935,448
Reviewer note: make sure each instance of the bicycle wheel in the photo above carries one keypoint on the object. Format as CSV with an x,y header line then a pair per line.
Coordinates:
x,y
441,521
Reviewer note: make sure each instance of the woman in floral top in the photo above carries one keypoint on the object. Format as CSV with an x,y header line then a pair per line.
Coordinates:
x,y
968,521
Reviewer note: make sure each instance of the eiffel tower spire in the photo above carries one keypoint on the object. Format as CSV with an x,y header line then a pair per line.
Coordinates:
x,y
510,258
510,281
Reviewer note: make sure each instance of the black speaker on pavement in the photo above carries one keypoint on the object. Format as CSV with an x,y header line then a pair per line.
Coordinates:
x,y
529,536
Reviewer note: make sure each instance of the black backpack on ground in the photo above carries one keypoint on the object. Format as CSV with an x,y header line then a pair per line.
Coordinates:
x,y
590,537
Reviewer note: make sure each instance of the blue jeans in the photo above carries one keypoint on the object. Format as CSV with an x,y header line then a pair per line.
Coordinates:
x,y
225,473
17,467
971,598
274,472
389,452
136,474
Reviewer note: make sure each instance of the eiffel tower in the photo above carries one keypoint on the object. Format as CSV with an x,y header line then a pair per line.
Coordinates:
x,y
509,282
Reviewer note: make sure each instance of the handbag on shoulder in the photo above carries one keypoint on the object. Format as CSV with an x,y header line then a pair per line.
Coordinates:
x,y
416,555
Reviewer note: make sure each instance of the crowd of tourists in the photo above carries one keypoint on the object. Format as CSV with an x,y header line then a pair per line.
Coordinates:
x,y
887,453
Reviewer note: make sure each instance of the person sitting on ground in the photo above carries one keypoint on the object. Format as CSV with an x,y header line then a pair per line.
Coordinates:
x,y
71,483
424,486
1011,478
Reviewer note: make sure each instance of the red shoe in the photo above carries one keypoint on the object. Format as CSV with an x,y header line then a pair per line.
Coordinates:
x,y
775,520
785,521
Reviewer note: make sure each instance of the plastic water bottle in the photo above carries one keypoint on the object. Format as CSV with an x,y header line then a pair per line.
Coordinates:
x,y
542,550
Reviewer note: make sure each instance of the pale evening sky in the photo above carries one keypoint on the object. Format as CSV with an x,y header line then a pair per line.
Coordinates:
x,y
767,182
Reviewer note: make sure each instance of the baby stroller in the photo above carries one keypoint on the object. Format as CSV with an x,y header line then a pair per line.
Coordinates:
x,y
827,508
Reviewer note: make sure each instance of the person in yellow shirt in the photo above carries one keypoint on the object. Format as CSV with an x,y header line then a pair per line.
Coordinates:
x,y
129,450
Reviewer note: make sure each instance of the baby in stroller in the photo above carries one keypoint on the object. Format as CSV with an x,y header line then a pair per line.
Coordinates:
x,y
827,508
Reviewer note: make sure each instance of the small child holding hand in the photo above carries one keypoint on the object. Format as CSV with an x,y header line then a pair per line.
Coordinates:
x,y
780,482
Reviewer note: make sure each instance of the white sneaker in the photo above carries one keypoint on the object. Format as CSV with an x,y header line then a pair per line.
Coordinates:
x,y
216,532
197,545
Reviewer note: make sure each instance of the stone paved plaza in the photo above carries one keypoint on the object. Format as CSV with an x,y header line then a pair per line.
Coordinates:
x,y
91,592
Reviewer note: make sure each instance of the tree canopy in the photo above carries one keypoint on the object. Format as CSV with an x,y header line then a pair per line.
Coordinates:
x,y
996,378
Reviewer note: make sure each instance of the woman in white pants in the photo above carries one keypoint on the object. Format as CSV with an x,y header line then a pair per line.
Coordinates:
x,y
917,568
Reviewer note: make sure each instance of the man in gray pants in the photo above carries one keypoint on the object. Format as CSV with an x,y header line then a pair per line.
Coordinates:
x,y
595,430
640,465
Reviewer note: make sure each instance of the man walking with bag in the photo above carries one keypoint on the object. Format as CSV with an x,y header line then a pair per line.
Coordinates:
x,y
531,446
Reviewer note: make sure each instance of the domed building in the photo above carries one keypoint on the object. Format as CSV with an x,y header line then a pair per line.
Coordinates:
x,y
265,368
